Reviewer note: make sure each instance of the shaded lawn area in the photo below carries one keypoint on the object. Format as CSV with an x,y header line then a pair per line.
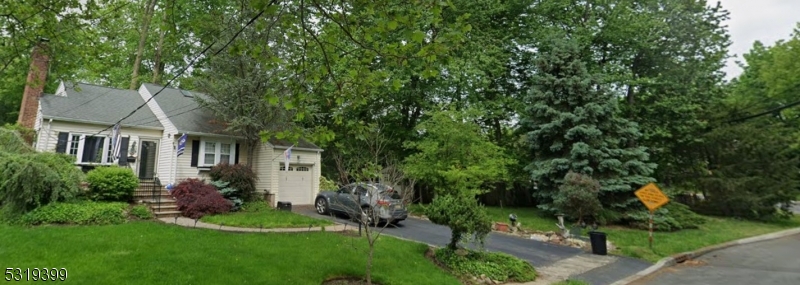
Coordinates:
x,y
634,243
153,253
530,217
268,218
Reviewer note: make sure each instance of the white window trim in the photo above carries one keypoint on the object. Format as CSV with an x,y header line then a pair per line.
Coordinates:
x,y
82,144
201,159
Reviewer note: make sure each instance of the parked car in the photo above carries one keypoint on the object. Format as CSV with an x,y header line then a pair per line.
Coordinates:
x,y
378,202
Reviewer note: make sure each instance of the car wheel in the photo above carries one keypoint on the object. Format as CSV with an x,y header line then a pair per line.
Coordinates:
x,y
322,206
395,222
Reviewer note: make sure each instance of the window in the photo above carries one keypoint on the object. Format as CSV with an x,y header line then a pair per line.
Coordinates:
x,y
74,142
225,152
90,149
301,168
213,153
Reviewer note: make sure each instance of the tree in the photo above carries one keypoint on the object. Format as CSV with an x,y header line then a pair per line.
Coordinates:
x,y
456,159
237,84
577,197
662,57
370,168
573,124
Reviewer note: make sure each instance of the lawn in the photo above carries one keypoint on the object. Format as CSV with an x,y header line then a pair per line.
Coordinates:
x,y
266,218
634,243
530,218
154,253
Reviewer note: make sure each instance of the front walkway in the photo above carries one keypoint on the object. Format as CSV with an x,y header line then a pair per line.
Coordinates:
x,y
190,223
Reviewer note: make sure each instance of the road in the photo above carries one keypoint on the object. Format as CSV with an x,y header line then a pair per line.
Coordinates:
x,y
539,254
772,262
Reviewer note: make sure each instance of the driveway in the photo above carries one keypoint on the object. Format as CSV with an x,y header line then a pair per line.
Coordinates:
x,y
772,262
539,254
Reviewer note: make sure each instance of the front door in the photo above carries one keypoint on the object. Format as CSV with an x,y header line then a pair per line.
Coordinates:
x,y
147,160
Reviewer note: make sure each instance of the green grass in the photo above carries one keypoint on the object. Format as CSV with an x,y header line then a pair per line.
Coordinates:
x,y
531,218
268,218
152,253
634,243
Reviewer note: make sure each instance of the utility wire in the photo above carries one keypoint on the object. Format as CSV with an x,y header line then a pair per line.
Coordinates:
x,y
192,62
771,111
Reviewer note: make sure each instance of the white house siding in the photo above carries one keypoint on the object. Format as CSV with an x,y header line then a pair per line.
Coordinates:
x,y
311,159
165,149
184,168
262,167
47,140
47,137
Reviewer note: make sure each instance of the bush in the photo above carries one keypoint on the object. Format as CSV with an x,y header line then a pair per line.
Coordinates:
x,y
196,199
239,177
12,140
577,197
230,193
673,216
326,184
80,213
141,212
30,180
496,266
112,183
462,214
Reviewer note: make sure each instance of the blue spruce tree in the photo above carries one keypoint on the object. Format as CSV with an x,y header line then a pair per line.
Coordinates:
x,y
573,123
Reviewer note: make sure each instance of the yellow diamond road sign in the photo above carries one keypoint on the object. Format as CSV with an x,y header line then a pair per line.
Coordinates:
x,y
651,196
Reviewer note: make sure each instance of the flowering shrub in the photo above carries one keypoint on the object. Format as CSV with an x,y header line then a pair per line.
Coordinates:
x,y
196,199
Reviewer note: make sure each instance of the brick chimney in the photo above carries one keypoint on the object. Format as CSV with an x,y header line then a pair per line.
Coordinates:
x,y
37,75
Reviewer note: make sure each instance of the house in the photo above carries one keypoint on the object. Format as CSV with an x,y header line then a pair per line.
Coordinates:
x,y
78,120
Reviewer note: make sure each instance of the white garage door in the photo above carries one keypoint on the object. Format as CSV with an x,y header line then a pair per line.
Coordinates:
x,y
295,185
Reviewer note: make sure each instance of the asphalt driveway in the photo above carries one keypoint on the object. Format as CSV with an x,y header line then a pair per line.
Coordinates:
x,y
539,254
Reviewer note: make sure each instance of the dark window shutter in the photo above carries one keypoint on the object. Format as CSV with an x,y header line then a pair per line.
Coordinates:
x,y
195,152
236,159
61,145
123,152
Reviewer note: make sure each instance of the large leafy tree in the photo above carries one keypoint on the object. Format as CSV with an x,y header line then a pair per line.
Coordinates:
x,y
456,158
573,124
664,58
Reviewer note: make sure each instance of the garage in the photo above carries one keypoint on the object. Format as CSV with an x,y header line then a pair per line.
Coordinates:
x,y
296,185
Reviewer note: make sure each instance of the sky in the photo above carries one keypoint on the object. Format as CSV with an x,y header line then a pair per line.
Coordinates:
x,y
757,20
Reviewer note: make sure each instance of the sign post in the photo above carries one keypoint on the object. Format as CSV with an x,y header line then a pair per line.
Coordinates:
x,y
652,198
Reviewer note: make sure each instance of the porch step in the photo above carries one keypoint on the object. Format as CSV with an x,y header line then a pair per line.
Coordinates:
x,y
163,207
167,214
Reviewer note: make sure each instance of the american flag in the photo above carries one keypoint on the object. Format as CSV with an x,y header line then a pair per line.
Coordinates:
x,y
287,155
116,142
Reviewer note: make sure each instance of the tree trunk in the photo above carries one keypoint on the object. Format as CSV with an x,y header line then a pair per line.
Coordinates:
x,y
148,14
369,260
251,153
158,69
454,238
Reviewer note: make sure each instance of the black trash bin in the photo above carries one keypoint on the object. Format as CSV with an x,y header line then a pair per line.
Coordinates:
x,y
598,241
285,206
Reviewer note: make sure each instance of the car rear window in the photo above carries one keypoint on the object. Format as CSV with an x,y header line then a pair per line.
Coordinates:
x,y
388,191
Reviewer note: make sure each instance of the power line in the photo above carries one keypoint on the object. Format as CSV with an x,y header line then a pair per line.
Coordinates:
x,y
187,67
192,62
772,111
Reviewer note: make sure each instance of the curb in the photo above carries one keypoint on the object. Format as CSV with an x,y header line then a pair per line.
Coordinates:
x,y
681,257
